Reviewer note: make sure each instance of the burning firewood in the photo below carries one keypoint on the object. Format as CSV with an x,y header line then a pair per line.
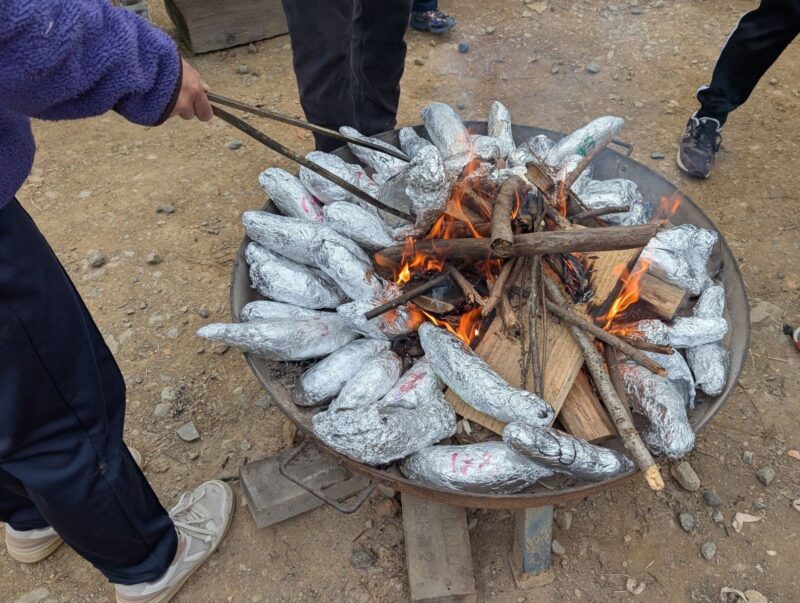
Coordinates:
x,y
472,296
289,195
486,468
323,381
502,239
401,320
499,286
405,297
476,383
563,453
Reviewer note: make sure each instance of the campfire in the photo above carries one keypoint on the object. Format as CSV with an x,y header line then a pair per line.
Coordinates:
x,y
502,271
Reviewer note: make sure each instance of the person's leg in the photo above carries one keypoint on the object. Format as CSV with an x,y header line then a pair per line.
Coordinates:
x,y
320,32
422,6
61,418
426,16
753,46
378,60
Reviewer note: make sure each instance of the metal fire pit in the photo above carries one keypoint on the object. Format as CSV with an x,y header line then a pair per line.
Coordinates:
x,y
609,164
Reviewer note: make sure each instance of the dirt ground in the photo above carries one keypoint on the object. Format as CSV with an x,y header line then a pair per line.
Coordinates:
x,y
96,185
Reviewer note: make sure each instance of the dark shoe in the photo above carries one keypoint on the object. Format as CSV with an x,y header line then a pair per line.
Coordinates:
x,y
699,145
434,21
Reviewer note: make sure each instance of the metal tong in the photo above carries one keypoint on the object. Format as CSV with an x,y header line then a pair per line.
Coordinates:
x,y
273,144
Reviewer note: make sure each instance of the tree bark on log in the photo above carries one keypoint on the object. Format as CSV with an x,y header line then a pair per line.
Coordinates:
x,y
502,239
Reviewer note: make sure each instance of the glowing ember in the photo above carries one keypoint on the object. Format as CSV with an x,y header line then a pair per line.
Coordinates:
x,y
629,294
667,208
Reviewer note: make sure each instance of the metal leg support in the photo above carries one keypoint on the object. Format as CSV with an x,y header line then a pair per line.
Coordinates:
x,y
533,538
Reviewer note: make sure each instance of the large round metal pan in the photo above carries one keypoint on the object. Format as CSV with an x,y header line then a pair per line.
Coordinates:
x,y
609,164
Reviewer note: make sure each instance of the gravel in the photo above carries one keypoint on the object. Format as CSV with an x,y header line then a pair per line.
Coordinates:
x,y
765,475
712,499
96,259
688,521
708,550
188,432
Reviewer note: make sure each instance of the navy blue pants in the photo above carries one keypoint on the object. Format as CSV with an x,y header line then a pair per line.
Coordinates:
x,y
753,46
62,408
349,56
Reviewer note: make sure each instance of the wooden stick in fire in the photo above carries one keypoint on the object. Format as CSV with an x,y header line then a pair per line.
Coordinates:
x,y
477,203
508,316
472,296
498,287
502,239
599,212
533,338
407,296
620,414
535,243
631,352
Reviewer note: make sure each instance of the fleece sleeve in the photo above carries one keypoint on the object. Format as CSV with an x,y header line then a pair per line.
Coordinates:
x,y
67,59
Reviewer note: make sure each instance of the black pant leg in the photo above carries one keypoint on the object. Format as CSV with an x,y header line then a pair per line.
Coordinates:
x,y
16,507
320,32
753,46
378,61
62,405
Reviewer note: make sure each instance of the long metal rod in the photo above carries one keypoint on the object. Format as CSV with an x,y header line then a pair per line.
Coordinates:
x,y
245,127
235,104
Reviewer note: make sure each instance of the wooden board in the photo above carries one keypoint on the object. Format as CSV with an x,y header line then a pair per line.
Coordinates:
x,y
438,554
216,24
583,415
563,361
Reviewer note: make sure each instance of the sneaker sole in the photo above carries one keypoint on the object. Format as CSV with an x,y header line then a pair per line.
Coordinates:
x,y
36,555
691,173
167,596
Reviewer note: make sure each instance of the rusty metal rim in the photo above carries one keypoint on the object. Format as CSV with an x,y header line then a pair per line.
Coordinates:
x,y
488,501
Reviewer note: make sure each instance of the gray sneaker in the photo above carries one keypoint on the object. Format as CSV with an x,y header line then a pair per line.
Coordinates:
x,y
699,145
202,519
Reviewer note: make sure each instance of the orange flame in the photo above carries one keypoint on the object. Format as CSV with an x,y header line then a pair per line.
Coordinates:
x,y
667,208
629,294
468,327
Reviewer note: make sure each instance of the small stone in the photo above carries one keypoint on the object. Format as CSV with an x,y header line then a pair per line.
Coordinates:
x,y
360,558
489,30
558,548
163,410
156,320
554,70
96,259
220,348
35,596
759,506
188,432
419,62
203,312
717,516
154,258
167,394
656,155
773,82
688,521
593,68
636,11
369,524
686,477
463,47
193,455
747,457
166,208
563,519
234,145
245,445
173,333
708,550
781,275
242,69
263,403
387,507
712,499
765,475
638,104
658,4
251,48
238,391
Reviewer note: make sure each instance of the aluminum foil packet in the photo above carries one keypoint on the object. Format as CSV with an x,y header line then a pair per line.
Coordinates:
x,y
563,453
412,143
383,164
352,273
283,280
680,255
446,130
678,373
616,192
376,377
398,321
487,148
683,332
583,181
503,174
293,238
520,157
413,415
363,227
323,381
540,146
289,195
669,431
269,310
485,468
281,339
477,383
422,187
710,362
328,192
499,127
587,142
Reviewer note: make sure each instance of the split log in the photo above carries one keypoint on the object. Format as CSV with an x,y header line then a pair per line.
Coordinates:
x,y
477,203
664,299
564,313
582,414
502,239
534,243
608,394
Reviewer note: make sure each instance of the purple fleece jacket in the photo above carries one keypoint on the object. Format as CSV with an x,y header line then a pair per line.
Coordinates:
x,y
67,59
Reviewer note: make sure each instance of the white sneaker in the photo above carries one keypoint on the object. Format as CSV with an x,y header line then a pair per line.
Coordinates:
x,y
202,519
33,546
